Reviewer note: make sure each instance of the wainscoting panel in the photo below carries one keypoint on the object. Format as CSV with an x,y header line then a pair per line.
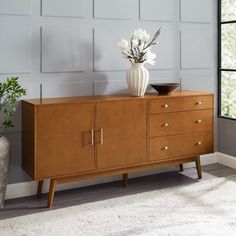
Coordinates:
x,y
64,8
113,9
65,51
14,45
158,10
67,89
196,10
108,56
196,48
15,7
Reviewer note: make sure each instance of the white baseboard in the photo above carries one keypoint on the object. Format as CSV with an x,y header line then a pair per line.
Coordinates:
x,y
226,160
29,188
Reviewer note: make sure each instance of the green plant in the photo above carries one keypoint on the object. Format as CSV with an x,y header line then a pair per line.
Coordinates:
x,y
10,92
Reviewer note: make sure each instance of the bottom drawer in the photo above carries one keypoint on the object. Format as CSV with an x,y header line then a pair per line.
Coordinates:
x,y
180,145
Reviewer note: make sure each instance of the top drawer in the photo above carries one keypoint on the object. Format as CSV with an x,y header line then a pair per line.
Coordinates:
x,y
180,104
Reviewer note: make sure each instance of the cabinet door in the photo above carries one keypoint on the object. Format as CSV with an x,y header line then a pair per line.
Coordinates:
x,y
123,133
63,139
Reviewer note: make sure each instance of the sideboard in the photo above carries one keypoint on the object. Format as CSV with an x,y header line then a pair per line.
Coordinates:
x,y
77,138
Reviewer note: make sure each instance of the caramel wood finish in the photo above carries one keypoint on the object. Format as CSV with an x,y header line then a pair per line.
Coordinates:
x,y
52,189
180,145
179,122
125,180
198,166
123,125
120,171
63,139
181,168
28,139
73,139
181,104
40,188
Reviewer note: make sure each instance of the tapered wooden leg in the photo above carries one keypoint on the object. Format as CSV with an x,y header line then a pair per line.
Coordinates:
x,y
181,168
125,180
198,166
40,188
52,189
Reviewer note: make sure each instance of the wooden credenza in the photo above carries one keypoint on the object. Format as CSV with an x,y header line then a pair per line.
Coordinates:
x,y
71,139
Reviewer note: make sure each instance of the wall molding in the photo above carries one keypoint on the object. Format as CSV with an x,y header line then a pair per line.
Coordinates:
x,y
25,189
226,160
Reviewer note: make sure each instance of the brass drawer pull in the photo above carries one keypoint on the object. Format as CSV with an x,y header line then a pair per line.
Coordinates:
x,y
199,121
166,106
199,103
102,136
165,148
165,125
199,143
92,137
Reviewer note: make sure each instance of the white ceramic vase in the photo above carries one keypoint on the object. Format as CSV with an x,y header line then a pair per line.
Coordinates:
x,y
4,167
137,78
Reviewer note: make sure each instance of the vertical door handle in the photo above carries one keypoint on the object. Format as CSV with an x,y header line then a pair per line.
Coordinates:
x,y
102,136
92,137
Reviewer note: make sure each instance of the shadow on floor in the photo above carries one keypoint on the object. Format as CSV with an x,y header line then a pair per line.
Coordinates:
x,y
31,205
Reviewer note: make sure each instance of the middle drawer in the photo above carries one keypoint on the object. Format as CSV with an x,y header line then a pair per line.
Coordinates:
x,y
179,122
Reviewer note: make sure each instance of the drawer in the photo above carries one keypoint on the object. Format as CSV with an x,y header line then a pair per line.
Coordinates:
x,y
179,122
169,147
180,104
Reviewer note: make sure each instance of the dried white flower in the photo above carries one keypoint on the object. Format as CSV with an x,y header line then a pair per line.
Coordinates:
x,y
123,44
150,58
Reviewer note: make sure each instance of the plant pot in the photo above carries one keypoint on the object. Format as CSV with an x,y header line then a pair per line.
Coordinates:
x,y
137,78
4,167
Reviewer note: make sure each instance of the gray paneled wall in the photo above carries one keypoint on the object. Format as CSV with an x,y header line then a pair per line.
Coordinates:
x,y
70,46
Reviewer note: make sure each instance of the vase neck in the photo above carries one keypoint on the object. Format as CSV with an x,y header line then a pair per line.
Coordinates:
x,y
137,64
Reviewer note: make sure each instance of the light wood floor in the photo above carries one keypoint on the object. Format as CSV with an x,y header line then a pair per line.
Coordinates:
x,y
30,205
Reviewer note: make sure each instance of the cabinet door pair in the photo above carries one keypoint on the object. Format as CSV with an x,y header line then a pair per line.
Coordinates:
x,y
64,138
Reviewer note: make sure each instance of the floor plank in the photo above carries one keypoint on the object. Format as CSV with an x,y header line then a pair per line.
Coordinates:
x,y
30,205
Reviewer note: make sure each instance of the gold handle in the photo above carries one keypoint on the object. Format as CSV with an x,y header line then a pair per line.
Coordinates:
x,y
199,121
92,137
165,125
166,106
199,103
199,143
166,148
102,136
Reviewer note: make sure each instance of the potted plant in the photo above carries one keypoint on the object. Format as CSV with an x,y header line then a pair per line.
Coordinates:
x,y
138,51
10,92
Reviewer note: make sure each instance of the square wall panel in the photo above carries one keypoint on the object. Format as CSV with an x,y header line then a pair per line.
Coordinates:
x,y
108,57
64,8
113,9
196,48
196,10
15,7
67,89
111,87
158,10
199,83
165,50
14,45
64,51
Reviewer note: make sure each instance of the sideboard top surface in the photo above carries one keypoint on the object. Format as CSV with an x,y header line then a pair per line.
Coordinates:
x,y
114,97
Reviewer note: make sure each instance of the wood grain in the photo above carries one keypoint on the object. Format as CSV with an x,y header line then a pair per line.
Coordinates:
x,y
179,122
181,104
63,139
180,145
73,139
124,125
